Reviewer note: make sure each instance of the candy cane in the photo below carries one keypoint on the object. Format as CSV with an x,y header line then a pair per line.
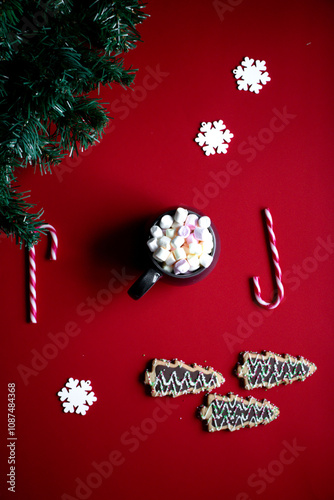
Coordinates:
x,y
32,285
32,269
279,290
54,240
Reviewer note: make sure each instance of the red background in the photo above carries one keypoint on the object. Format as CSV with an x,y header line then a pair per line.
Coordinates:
x,y
146,163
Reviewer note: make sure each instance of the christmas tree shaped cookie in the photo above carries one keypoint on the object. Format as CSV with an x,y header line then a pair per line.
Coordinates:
x,y
268,369
175,378
232,412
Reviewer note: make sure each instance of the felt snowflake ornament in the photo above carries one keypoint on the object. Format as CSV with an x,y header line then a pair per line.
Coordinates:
x,y
251,75
76,396
215,137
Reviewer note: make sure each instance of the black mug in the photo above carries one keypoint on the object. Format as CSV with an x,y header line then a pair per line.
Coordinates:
x,y
155,270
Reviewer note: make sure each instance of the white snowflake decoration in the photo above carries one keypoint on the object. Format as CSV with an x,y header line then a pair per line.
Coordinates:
x,y
249,76
76,396
215,138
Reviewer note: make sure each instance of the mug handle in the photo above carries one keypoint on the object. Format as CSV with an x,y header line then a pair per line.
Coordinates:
x,y
144,283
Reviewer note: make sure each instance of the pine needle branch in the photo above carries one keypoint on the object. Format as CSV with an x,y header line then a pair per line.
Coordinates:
x,y
52,54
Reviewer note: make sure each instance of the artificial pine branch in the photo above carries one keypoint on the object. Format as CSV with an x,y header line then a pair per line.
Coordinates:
x,y
52,54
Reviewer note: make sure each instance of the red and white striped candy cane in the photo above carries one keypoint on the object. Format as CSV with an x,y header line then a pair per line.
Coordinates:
x,y
32,269
32,285
54,240
279,289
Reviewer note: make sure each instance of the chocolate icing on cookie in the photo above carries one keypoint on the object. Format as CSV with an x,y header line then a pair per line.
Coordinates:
x,y
268,369
232,412
174,378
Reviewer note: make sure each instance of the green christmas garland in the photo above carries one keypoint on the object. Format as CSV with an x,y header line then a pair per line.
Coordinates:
x,y
52,54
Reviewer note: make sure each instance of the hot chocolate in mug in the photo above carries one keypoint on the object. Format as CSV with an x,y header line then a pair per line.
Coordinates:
x,y
182,247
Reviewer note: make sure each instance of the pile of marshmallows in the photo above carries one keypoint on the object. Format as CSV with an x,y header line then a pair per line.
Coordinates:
x,y
183,243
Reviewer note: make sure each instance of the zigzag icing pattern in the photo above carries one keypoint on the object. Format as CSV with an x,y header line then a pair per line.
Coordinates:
x,y
268,369
232,412
175,378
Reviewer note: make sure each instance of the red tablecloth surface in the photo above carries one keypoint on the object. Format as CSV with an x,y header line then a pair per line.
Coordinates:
x,y
130,445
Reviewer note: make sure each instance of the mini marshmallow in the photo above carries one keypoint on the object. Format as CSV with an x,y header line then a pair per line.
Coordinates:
x,y
178,241
205,260
164,242
209,239
166,221
184,231
193,261
179,253
170,260
156,231
191,221
191,239
161,254
195,248
207,236
181,267
176,225
201,233
167,269
170,233
204,222
207,246
153,244
180,215
210,236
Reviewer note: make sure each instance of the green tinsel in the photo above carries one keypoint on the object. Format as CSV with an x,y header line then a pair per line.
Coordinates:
x,y
52,54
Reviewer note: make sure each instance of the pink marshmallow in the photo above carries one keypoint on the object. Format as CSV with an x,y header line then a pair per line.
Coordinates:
x,y
181,266
184,231
191,221
199,233
191,239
